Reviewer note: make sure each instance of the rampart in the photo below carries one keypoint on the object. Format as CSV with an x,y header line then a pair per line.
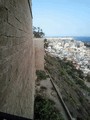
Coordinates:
x,y
17,62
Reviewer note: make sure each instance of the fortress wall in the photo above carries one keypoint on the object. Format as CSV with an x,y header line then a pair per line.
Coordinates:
x,y
17,70
39,53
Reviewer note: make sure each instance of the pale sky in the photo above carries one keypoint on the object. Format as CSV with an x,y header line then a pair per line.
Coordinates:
x,y
62,17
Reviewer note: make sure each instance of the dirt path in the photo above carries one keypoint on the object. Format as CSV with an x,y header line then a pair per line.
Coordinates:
x,y
45,87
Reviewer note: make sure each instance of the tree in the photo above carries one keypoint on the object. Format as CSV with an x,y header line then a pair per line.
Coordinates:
x,y
38,32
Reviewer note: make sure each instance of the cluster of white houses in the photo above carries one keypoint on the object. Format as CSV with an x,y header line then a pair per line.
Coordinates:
x,y
72,50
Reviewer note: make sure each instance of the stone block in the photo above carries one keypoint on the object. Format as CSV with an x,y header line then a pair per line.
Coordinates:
x,y
4,41
10,30
3,14
11,19
2,29
1,3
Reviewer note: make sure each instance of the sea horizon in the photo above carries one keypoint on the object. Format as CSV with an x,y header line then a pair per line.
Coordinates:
x,y
79,38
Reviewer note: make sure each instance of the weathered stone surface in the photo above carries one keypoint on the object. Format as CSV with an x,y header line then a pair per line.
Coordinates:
x,y
39,53
17,70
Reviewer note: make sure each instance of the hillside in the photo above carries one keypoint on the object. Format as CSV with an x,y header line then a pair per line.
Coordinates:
x,y
70,81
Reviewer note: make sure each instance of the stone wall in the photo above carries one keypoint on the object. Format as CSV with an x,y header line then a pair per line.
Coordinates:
x,y
17,70
39,53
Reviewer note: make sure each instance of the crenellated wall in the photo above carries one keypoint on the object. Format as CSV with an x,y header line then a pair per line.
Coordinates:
x,y
17,62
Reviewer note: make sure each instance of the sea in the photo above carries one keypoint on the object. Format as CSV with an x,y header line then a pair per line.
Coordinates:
x,y
79,38
83,39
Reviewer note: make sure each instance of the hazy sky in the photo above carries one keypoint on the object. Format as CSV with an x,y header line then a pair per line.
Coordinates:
x,y
62,17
